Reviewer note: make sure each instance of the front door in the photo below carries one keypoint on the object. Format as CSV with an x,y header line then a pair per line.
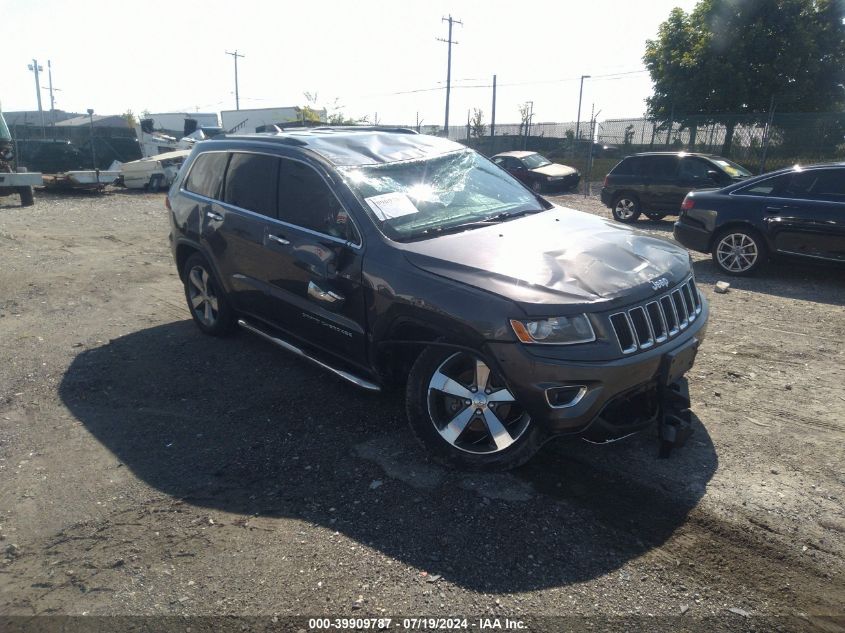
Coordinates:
x,y
313,261
807,216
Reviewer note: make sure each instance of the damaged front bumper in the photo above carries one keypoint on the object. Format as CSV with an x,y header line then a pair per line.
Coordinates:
x,y
607,400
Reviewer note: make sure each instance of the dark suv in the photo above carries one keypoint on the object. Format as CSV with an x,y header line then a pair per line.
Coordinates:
x,y
385,256
655,183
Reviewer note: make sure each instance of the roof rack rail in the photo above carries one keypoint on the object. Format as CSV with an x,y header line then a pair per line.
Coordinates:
x,y
365,128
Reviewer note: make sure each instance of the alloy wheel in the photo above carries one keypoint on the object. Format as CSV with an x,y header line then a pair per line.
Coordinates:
x,y
737,252
472,409
625,209
202,296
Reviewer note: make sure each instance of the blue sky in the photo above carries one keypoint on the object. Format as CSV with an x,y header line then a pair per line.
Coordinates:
x,y
370,56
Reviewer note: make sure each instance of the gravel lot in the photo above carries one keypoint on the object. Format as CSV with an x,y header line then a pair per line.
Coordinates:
x,y
148,470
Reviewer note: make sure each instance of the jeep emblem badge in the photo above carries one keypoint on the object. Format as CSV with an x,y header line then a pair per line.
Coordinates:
x,y
657,284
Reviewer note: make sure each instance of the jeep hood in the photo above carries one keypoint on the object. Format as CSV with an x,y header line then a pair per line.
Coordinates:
x,y
558,261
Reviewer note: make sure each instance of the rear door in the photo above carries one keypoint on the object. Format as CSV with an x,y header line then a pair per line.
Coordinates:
x,y
312,265
227,232
807,216
662,184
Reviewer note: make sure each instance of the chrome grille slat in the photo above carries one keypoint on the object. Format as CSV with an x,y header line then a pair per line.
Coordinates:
x,y
643,326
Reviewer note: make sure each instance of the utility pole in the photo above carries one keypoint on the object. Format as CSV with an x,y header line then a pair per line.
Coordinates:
x,y
235,56
52,101
34,67
493,116
448,41
93,149
578,120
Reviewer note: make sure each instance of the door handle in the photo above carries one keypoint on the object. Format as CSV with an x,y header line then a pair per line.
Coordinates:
x,y
326,296
772,209
214,216
278,240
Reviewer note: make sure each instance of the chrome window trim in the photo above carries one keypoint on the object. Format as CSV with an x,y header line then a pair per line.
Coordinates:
x,y
182,189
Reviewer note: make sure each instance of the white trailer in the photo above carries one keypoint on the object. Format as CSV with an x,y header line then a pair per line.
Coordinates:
x,y
254,120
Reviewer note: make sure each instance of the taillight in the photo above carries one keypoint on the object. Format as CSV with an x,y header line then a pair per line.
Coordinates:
x,y
167,203
604,184
688,203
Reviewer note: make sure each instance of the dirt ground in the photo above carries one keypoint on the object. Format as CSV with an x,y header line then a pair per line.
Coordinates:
x,y
148,470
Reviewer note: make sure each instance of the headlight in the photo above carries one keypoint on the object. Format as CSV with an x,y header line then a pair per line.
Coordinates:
x,y
555,330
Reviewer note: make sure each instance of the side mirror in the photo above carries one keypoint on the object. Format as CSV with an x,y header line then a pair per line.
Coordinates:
x,y
714,175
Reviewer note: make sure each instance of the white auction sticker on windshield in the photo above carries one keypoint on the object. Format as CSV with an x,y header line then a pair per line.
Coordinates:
x,y
391,205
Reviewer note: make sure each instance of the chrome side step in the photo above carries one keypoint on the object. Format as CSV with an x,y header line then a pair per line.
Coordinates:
x,y
355,380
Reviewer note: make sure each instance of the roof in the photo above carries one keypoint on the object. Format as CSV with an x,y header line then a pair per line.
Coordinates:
x,y
679,153
519,154
354,146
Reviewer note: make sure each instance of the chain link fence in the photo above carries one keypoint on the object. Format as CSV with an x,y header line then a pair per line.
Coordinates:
x,y
759,142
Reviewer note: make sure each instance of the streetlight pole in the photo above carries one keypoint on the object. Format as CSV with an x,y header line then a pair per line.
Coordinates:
x,y
34,67
578,120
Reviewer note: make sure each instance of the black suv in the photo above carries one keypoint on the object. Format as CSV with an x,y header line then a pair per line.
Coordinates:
x,y
385,256
655,183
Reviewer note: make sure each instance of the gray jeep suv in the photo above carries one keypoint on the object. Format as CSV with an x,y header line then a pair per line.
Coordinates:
x,y
388,257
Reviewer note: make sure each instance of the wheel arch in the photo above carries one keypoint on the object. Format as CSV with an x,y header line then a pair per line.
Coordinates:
x,y
406,339
745,225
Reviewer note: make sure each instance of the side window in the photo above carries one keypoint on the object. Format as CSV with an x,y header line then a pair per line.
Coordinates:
x,y
251,182
829,185
799,184
768,187
625,168
305,200
206,174
663,166
694,169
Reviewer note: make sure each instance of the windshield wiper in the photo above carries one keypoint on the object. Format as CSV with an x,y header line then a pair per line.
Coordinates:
x,y
509,215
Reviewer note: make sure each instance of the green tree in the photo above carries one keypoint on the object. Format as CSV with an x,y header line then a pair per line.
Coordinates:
x,y
729,58
131,120
476,123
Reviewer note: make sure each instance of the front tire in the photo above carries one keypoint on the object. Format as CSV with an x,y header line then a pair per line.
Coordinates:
x,y
206,298
738,251
626,209
655,217
465,416
537,186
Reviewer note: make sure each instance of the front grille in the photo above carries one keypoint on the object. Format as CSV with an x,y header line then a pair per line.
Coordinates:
x,y
644,326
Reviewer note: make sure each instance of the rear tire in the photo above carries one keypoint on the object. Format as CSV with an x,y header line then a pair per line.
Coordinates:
x,y
27,196
207,301
461,411
625,208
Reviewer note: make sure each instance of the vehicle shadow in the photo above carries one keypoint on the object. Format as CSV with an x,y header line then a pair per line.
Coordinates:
x,y
237,426
792,280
